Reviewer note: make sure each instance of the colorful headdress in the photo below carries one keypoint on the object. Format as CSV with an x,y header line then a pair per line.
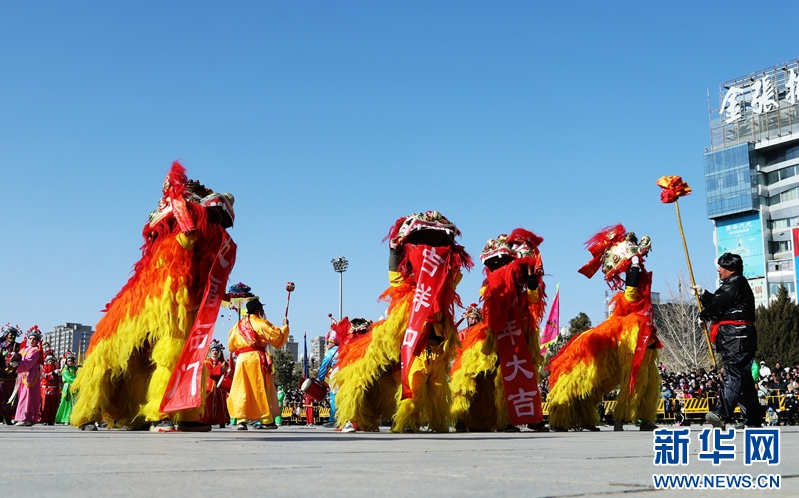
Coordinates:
x,y
613,249
33,332
10,329
473,314
429,220
332,337
519,244
216,345
178,190
360,325
69,355
50,358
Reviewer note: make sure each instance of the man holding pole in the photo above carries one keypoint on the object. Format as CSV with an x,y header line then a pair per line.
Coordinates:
x,y
253,396
732,312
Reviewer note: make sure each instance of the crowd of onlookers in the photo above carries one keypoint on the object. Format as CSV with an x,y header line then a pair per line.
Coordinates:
x,y
777,390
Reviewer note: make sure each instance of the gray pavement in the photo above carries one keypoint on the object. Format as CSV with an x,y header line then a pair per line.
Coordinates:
x,y
312,461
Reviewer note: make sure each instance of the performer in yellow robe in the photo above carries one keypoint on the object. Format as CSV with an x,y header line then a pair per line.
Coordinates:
x,y
253,395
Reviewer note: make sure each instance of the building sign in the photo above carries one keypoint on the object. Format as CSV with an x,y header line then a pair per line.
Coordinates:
x,y
743,235
758,286
763,95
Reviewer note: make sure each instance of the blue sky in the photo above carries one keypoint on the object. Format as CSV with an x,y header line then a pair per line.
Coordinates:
x,y
330,120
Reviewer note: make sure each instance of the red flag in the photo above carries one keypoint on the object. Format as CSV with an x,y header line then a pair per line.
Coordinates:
x,y
673,188
550,334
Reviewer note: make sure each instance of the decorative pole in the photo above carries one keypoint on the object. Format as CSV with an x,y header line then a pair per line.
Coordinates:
x,y
340,266
673,188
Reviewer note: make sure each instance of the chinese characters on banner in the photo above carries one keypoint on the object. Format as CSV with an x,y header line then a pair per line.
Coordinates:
x,y
184,390
518,372
430,266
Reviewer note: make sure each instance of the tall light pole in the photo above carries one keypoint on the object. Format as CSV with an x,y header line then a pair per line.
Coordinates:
x,y
340,266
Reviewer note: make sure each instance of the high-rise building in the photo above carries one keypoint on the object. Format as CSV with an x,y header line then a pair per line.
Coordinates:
x,y
70,336
752,176
318,349
292,347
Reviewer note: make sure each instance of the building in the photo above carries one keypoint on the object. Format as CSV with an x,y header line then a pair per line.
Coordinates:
x,y
292,347
69,337
318,349
752,176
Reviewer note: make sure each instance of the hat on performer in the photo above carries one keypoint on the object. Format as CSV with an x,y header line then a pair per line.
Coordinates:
x,y
731,262
332,337
9,329
254,306
33,332
217,345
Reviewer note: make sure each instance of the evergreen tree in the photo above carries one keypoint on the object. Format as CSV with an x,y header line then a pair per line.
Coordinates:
x,y
578,324
286,373
778,330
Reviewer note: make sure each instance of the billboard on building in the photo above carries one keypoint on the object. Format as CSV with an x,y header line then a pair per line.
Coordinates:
x,y
796,258
743,235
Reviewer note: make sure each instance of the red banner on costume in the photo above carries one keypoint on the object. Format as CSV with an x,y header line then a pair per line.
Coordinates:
x,y
184,389
644,333
246,330
430,265
518,372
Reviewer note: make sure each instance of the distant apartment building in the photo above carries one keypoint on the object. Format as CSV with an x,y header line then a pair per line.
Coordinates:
x,y
73,337
292,347
318,349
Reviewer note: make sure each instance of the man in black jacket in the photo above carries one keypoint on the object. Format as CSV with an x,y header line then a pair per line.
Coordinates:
x,y
732,310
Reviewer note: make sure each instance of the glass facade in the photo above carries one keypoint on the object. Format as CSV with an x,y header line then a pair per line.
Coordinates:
x,y
730,181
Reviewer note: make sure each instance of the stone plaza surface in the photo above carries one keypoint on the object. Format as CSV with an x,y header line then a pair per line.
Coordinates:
x,y
312,461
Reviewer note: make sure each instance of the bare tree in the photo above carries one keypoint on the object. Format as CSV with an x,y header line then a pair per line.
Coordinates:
x,y
684,344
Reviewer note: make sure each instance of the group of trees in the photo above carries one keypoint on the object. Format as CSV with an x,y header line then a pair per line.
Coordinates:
x,y
778,330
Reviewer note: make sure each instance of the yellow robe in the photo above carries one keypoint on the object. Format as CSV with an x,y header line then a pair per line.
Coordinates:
x,y
253,395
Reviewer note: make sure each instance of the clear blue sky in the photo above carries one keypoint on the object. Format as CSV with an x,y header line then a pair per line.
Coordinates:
x,y
329,120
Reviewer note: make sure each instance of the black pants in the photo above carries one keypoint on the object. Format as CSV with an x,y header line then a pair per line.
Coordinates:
x,y
739,388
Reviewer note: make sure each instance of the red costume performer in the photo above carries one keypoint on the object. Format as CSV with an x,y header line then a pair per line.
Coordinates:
x,y
215,398
51,391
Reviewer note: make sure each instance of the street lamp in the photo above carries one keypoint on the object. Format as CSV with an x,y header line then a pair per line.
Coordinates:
x,y
340,266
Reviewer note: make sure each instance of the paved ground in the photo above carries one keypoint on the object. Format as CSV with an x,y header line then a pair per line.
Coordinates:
x,y
299,461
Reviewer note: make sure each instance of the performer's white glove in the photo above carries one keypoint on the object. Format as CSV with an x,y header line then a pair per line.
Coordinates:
x,y
698,290
635,261
700,322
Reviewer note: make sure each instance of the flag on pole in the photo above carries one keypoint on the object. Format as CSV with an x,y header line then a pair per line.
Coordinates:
x,y
305,354
550,334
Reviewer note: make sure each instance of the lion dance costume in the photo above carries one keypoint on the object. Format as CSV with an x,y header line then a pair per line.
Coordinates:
x,y
494,377
142,335
399,368
619,352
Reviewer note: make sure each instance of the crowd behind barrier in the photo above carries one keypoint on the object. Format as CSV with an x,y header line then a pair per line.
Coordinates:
x,y
687,396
